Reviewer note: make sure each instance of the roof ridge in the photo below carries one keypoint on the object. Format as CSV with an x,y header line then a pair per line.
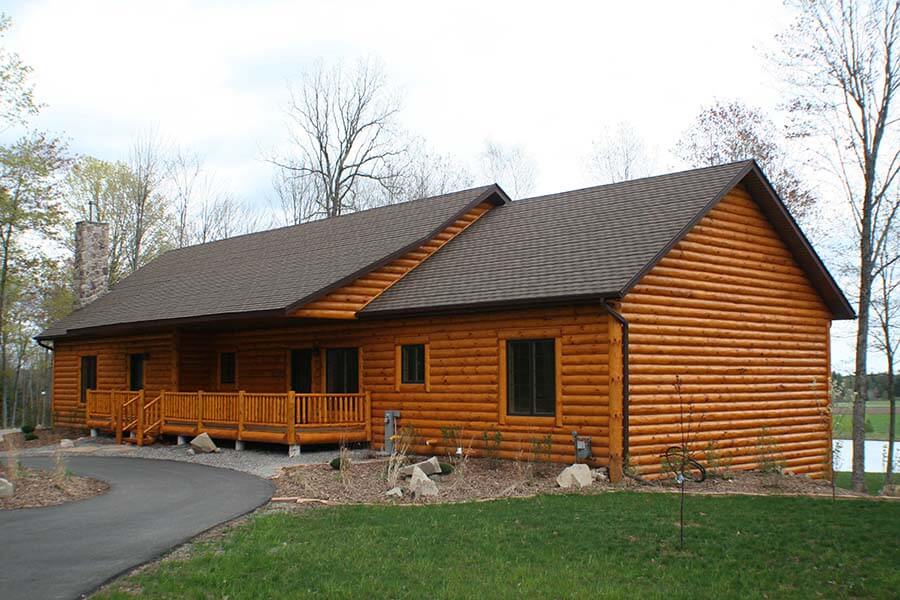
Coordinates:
x,y
331,219
638,179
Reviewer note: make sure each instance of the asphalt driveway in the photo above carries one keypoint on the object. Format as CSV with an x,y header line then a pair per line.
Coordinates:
x,y
152,505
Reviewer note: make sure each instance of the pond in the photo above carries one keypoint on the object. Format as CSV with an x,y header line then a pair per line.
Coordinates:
x,y
876,456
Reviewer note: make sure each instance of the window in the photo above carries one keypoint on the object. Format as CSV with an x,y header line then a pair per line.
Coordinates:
x,y
88,375
227,368
342,371
531,377
301,371
136,372
412,359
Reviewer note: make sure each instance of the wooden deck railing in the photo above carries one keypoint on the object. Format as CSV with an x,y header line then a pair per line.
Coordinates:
x,y
288,418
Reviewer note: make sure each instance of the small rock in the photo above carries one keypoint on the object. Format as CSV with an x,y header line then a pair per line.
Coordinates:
x,y
430,467
64,443
575,475
420,485
394,492
190,452
891,490
600,475
203,443
7,488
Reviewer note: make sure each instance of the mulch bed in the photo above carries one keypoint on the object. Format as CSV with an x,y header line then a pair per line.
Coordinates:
x,y
481,479
35,487
366,482
45,437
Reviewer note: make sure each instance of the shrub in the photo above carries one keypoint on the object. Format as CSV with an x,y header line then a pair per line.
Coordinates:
x,y
869,427
492,443
31,436
27,428
446,468
337,462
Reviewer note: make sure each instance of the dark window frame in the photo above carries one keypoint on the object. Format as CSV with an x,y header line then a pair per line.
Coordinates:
x,y
228,376
342,370
87,383
538,388
413,364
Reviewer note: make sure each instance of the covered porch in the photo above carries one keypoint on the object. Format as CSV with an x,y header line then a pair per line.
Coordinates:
x,y
287,418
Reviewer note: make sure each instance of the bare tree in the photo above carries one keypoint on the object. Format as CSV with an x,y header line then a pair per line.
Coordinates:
x,y
840,57
509,166
186,169
886,307
732,131
147,209
295,199
619,154
429,173
343,137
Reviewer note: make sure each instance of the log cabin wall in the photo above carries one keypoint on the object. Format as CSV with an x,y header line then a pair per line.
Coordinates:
x,y
730,313
465,378
112,369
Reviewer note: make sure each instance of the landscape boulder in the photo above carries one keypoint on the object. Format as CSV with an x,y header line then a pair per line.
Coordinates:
x,y
394,492
420,486
7,488
430,467
891,490
66,443
575,475
203,443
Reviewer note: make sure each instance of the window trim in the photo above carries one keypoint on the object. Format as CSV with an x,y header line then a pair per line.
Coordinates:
x,y
503,416
399,384
226,384
82,391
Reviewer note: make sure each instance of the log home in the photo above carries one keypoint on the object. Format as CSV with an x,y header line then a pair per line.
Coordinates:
x,y
618,312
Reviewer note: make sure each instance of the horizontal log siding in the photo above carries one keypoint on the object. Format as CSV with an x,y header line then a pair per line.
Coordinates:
x,y
112,370
464,372
730,312
345,302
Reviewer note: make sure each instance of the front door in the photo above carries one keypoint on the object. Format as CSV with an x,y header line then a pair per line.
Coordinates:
x,y
136,372
301,371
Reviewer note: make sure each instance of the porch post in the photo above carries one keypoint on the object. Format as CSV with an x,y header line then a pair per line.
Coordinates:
x,y
117,417
199,411
291,418
240,431
369,416
140,418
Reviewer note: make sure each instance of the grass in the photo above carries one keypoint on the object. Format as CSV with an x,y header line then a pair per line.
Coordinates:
x,y
843,425
618,545
874,481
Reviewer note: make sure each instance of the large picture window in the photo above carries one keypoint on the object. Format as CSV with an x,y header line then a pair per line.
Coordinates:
x,y
531,377
88,375
342,371
412,358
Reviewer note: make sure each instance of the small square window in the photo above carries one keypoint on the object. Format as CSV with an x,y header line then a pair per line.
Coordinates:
x,y
227,368
412,358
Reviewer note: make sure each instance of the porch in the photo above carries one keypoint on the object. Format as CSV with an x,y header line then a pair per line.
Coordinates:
x,y
289,418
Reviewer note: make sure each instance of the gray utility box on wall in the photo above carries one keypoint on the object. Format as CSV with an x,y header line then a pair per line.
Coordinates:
x,y
391,421
583,450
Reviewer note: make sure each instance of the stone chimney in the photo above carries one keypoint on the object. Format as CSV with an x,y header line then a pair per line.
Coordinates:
x,y
91,261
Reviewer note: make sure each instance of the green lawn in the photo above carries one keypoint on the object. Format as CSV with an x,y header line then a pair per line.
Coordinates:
x,y
843,424
874,481
619,545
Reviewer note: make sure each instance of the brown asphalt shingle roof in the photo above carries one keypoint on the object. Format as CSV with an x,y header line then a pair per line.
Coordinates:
x,y
591,243
270,270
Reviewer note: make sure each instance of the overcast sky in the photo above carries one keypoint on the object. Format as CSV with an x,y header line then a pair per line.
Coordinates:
x,y
212,76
